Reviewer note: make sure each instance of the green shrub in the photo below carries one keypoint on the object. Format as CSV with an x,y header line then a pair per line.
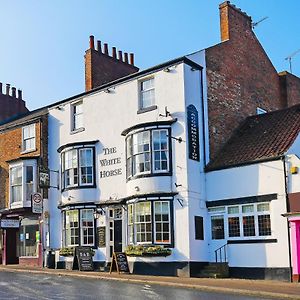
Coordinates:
x,y
140,250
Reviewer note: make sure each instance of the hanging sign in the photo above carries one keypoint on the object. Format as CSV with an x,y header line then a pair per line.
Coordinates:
x,y
119,263
37,203
44,177
193,132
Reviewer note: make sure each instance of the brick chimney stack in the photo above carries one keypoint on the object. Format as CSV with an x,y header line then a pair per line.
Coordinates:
x,y
234,22
101,67
11,105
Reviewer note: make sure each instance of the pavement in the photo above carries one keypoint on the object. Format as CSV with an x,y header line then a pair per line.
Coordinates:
x,y
260,288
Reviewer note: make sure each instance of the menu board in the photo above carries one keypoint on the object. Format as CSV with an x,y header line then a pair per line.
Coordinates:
x,y
119,263
101,236
84,258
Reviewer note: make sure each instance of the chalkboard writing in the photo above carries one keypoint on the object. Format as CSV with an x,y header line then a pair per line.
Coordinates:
x,y
101,236
85,258
119,263
193,132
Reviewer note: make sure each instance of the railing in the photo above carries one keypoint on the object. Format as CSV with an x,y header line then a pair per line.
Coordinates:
x,y
221,253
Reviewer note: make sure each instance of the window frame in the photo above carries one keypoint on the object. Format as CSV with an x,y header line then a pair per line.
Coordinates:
x,y
131,226
79,184
23,165
141,92
27,127
247,210
130,157
74,127
79,227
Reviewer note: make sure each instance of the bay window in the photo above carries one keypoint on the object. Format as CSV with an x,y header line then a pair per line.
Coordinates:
x,y
149,222
22,182
148,152
78,167
78,228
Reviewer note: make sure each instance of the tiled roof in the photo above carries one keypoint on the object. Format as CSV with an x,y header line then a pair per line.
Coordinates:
x,y
258,138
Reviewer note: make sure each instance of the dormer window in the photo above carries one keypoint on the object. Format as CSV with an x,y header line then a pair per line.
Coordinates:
x,y
28,138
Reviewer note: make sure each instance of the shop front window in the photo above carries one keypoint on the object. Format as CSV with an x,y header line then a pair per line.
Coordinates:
x,y
29,237
149,222
78,228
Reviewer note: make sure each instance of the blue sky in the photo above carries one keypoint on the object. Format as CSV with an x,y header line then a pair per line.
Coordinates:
x,y
43,42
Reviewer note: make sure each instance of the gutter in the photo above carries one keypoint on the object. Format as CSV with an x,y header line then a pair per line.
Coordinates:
x,y
288,210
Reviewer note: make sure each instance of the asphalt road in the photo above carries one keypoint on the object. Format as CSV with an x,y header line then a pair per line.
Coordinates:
x,y
45,287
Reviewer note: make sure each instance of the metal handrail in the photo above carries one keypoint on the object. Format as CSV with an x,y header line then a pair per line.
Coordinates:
x,y
219,250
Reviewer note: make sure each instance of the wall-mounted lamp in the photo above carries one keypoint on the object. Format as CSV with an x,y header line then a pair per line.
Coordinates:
x,y
98,213
177,185
179,140
166,70
70,198
59,107
136,188
294,170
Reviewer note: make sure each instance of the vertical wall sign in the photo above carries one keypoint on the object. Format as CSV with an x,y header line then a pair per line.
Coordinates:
x,y
193,132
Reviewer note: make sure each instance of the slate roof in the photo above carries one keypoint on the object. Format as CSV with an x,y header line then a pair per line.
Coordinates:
x,y
259,137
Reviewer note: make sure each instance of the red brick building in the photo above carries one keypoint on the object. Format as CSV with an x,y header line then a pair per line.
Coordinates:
x,y
11,103
241,78
23,149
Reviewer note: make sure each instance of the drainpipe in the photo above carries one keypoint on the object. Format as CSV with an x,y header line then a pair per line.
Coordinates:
x,y
288,209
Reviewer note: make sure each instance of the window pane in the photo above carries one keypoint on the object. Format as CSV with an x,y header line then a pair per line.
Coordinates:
x,y
87,226
233,226
143,222
264,225
248,226
233,210
263,207
217,227
247,208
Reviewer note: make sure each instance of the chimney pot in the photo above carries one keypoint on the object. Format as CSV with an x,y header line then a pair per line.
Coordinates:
x,y
13,92
131,59
114,52
106,48
0,87
92,44
99,46
120,55
7,88
126,57
19,94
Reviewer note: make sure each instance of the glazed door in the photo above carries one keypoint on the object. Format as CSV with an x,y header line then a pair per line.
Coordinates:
x,y
118,235
11,246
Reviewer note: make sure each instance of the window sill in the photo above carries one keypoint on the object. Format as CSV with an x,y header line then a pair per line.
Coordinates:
x,y
28,151
146,109
79,187
149,175
77,130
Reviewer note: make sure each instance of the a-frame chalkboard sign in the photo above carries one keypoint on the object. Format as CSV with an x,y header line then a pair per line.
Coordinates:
x,y
119,263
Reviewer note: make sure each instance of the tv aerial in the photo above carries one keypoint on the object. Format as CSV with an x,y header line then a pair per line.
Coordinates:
x,y
254,24
289,58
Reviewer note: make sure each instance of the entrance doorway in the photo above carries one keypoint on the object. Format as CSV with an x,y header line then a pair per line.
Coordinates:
x,y
115,228
11,246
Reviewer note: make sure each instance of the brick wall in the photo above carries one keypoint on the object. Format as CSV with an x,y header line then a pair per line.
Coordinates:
x,y
11,148
290,88
101,68
11,104
240,77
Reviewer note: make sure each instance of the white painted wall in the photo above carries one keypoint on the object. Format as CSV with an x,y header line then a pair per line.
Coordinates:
x,y
252,180
106,115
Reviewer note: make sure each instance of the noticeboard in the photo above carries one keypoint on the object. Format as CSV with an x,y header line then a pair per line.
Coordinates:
x,y
119,263
84,257
44,177
101,236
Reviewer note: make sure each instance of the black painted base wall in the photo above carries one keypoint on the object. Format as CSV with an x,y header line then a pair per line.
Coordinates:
x,y
282,274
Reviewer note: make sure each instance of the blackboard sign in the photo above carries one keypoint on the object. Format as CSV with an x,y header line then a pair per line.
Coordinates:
x,y
193,132
119,263
85,258
101,236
